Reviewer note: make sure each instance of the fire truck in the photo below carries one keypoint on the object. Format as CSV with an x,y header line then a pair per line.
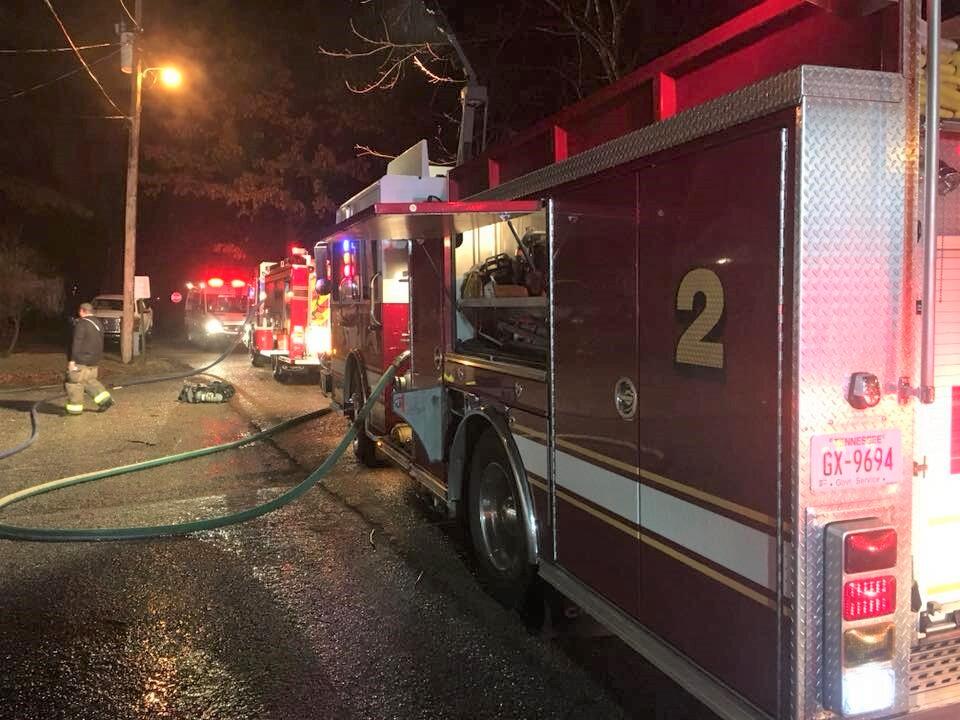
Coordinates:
x,y
216,307
687,351
291,328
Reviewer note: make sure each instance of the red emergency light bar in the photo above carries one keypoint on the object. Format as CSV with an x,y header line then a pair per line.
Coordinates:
x,y
215,282
237,283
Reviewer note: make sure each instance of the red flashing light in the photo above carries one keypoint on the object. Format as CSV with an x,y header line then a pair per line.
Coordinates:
x,y
869,598
237,283
215,282
870,551
348,271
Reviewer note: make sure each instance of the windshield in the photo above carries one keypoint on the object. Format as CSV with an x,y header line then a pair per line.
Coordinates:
x,y
107,304
226,303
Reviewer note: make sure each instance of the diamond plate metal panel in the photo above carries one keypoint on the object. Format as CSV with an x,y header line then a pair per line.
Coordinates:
x,y
850,276
762,98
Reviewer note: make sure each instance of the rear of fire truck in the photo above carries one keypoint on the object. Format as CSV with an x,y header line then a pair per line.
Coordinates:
x,y
291,327
688,367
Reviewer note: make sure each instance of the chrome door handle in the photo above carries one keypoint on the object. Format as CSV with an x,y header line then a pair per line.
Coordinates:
x,y
373,305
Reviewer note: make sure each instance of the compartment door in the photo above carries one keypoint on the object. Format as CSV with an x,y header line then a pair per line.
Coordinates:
x,y
428,298
595,460
713,228
936,502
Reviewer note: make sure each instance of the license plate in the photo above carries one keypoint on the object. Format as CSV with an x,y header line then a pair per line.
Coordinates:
x,y
848,461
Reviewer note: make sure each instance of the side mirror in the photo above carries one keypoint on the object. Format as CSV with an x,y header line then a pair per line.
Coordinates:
x,y
324,286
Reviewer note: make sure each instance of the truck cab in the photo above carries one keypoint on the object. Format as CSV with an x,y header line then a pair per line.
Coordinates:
x,y
216,310
108,309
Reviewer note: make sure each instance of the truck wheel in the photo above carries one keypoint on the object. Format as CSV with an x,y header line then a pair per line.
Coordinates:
x,y
278,373
256,359
364,448
497,526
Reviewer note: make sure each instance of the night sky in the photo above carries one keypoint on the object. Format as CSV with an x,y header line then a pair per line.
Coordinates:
x,y
234,54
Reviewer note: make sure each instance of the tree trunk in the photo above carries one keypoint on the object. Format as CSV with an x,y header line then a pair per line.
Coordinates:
x,y
15,335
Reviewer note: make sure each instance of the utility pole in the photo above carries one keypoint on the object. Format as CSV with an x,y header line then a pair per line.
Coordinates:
x,y
133,176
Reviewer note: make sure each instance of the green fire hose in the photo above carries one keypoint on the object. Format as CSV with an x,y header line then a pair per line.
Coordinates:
x,y
13,532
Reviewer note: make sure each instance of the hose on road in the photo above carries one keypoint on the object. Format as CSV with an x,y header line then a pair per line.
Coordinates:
x,y
13,532
34,409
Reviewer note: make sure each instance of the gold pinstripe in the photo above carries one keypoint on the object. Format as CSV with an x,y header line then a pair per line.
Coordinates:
x,y
661,547
673,553
710,572
715,500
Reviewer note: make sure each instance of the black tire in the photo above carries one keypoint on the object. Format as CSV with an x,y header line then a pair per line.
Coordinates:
x,y
364,448
497,526
256,359
278,373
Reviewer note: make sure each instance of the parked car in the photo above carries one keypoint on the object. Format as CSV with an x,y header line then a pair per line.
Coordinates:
x,y
108,309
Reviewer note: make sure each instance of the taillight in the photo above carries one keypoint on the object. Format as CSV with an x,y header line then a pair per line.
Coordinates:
x,y
869,643
317,340
869,551
860,602
869,598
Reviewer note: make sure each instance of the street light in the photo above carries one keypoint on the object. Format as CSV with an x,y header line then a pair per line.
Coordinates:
x,y
171,78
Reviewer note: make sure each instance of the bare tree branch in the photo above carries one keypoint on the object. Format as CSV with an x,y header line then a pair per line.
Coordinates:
x,y
367,151
431,76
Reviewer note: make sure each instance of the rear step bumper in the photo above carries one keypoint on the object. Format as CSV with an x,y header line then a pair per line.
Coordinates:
x,y
935,676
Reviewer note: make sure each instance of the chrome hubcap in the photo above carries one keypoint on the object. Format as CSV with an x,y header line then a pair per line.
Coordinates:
x,y
500,524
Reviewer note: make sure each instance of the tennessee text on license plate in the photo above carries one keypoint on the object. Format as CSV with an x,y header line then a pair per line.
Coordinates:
x,y
847,461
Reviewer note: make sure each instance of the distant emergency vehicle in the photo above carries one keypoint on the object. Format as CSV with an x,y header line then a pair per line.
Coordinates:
x,y
216,308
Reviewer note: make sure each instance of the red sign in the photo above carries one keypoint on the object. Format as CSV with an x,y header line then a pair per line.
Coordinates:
x,y
175,297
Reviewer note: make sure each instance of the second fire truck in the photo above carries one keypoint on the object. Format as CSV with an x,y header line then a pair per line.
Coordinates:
x,y
291,328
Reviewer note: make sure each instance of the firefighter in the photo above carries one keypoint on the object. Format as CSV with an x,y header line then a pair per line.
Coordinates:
x,y
85,353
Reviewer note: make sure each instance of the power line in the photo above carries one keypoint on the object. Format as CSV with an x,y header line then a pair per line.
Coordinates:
x,y
58,78
27,51
133,19
80,56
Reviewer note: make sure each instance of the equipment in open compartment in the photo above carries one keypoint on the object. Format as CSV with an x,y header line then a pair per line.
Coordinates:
x,y
501,280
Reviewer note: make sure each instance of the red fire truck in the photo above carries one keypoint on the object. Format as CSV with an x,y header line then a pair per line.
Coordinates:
x,y
291,328
678,351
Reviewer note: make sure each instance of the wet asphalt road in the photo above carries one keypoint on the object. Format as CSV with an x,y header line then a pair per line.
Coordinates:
x,y
358,601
